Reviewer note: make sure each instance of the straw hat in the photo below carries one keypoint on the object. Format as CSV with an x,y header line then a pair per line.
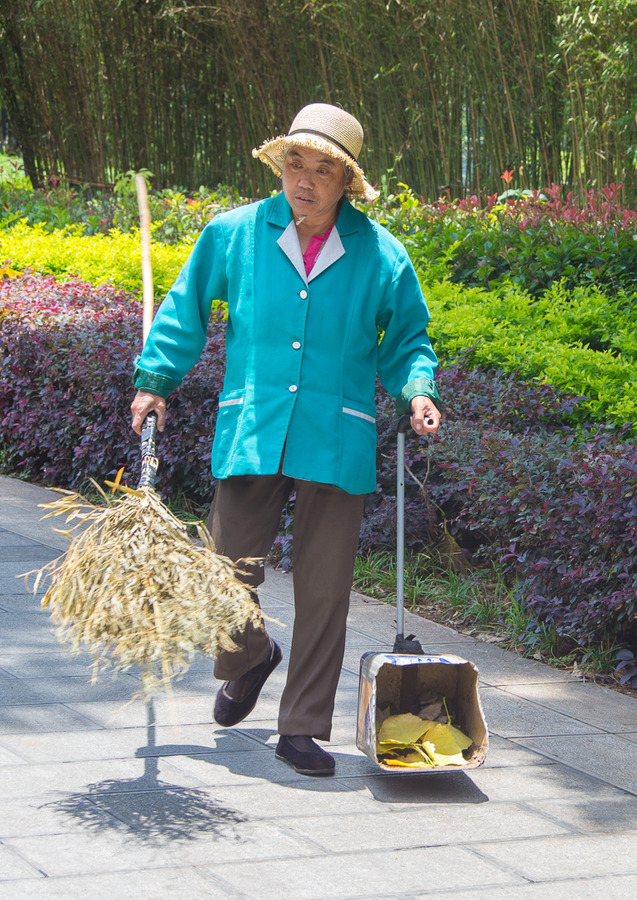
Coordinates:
x,y
329,130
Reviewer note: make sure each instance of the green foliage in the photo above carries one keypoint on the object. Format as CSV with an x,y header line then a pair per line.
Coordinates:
x,y
581,341
175,216
530,240
450,94
56,208
12,172
99,259
475,601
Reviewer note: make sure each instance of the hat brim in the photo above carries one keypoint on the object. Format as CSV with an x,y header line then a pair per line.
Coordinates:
x,y
273,152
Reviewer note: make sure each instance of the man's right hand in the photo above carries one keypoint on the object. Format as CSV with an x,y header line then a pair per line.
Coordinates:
x,y
144,403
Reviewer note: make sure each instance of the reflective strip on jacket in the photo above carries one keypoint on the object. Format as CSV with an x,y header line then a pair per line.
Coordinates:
x,y
302,353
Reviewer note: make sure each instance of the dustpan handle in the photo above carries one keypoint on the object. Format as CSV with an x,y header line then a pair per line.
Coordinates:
x,y
403,426
402,644
149,451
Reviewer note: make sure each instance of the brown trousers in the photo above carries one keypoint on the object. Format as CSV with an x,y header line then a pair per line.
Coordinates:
x,y
243,522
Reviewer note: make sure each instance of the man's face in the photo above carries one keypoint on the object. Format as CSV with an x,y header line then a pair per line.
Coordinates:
x,y
313,183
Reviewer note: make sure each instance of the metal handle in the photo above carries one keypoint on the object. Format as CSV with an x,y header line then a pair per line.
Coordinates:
x,y
149,451
404,424
401,644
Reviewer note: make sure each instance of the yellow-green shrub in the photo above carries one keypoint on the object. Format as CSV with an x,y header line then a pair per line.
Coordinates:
x,y
99,259
581,341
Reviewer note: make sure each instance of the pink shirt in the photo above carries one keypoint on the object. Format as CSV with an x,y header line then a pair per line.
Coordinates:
x,y
314,248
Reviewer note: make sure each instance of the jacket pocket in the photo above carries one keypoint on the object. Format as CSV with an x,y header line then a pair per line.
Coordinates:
x,y
359,414
231,398
227,431
358,453
231,401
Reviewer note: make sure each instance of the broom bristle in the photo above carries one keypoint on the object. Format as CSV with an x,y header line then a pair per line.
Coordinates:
x,y
134,590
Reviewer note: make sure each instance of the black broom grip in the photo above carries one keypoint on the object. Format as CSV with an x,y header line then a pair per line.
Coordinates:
x,y
149,451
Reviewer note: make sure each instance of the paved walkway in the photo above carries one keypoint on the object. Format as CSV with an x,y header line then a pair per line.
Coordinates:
x,y
96,802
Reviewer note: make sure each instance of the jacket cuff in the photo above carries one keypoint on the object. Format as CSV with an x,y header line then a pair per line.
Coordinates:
x,y
419,387
153,383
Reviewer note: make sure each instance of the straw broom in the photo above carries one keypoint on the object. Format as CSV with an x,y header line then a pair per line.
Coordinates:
x,y
133,589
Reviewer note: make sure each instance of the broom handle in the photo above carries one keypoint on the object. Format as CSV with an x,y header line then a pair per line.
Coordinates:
x,y
147,269
149,451
149,428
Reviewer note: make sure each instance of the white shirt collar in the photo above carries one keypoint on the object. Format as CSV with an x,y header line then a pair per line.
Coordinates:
x,y
332,250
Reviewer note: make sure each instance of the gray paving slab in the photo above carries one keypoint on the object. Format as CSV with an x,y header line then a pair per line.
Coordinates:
x,y
11,539
69,689
13,866
283,802
429,827
51,781
566,856
14,603
504,752
612,811
588,703
30,817
51,717
44,663
364,874
508,717
145,884
21,514
15,583
583,888
7,758
195,710
125,743
94,800
609,757
221,831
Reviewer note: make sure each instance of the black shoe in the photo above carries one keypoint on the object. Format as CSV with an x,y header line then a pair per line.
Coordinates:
x,y
305,756
236,699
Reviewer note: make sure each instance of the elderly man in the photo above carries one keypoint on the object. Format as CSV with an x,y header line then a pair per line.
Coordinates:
x,y
310,283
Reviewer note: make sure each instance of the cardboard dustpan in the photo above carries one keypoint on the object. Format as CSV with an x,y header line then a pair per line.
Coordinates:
x,y
398,689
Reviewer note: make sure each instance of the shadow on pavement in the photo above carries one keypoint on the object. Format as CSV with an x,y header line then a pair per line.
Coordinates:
x,y
444,787
147,809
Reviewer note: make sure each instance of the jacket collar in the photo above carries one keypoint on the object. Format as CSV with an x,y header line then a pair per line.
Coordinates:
x,y
332,250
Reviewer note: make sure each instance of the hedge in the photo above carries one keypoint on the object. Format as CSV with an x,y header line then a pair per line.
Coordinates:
x,y
507,477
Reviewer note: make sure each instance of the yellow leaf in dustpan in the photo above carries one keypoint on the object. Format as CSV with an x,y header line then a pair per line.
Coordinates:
x,y
461,738
404,729
441,744
442,759
409,761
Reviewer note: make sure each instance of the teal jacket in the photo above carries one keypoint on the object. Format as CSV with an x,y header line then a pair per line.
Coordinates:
x,y
302,353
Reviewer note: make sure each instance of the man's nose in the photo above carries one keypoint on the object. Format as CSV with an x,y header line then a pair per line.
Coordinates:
x,y
306,179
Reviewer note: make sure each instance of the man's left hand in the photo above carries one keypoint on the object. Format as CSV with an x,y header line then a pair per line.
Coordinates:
x,y
425,415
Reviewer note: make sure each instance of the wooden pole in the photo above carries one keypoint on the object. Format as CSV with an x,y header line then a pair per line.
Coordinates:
x,y
147,269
